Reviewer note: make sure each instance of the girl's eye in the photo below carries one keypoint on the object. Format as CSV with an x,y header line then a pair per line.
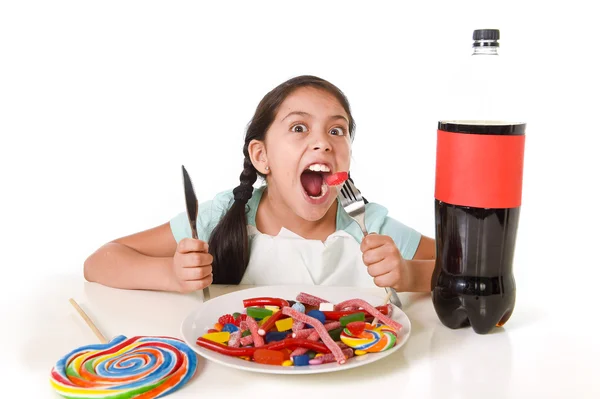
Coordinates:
x,y
337,131
299,128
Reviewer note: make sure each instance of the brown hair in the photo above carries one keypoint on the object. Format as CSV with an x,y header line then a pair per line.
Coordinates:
x,y
228,242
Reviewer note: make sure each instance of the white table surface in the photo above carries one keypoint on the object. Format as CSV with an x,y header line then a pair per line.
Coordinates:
x,y
544,351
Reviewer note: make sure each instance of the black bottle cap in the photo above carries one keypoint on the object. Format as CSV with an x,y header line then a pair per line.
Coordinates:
x,y
499,128
486,34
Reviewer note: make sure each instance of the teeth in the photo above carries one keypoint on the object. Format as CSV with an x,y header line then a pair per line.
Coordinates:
x,y
317,167
324,189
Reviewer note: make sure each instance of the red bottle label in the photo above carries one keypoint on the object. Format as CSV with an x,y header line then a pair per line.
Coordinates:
x,y
479,170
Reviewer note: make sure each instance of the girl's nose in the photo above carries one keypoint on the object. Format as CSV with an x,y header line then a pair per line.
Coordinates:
x,y
322,143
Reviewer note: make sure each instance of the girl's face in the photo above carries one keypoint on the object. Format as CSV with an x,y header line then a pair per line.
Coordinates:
x,y
308,140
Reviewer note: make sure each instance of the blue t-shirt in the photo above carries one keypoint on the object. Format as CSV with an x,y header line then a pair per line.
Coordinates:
x,y
210,213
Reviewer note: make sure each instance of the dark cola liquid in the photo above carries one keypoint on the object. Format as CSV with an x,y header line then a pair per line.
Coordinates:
x,y
473,283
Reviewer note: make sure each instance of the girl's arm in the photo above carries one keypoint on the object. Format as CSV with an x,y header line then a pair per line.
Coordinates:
x,y
422,264
140,261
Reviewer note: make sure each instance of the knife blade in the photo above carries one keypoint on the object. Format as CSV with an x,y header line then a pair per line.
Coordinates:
x,y
191,206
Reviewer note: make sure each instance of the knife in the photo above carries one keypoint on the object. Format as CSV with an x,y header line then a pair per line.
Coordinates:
x,y
191,205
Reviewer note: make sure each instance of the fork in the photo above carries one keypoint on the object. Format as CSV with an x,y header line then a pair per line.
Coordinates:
x,y
352,202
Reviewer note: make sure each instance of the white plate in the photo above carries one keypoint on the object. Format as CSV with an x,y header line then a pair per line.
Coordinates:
x,y
197,322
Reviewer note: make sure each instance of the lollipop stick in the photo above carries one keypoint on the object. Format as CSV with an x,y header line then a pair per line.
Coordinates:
x,y
387,299
88,321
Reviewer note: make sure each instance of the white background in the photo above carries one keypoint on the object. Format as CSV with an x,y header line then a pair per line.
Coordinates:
x,y
102,102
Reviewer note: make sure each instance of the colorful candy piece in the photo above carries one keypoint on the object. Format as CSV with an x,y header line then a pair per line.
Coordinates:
x,y
146,367
310,300
268,356
360,316
275,336
317,314
335,333
258,313
337,314
339,356
299,307
326,307
263,321
356,327
230,328
226,319
219,337
378,339
335,179
272,308
372,311
265,301
301,360
268,324
285,324
249,351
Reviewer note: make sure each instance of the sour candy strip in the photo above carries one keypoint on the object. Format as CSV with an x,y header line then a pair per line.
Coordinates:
x,y
297,326
320,329
234,339
265,301
286,343
247,340
371,310
303,333
328,358
253,327
311,300
313,336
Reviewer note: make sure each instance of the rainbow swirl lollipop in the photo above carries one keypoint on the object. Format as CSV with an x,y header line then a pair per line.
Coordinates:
x,y
379,339
138,367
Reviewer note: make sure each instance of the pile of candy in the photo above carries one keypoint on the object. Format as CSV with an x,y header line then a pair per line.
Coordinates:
x,y
309,330
138,367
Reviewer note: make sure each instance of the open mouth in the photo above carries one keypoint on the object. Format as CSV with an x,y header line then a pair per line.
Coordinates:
x,y
313,180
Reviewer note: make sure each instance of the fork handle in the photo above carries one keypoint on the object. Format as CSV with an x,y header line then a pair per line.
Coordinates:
x,y
360,218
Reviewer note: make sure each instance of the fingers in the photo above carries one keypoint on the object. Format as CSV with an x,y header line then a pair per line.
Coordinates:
x,y
384,273
380,268
195,273
196,259
386,280
374,240
196,285
191,245
379,253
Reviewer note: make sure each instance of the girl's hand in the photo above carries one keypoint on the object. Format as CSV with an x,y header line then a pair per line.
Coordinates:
x,y
192,265
384,262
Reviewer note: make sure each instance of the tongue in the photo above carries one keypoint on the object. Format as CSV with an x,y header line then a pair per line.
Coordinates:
x,y
312,181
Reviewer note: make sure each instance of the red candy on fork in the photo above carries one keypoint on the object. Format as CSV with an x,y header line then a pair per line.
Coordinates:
x,y
336,179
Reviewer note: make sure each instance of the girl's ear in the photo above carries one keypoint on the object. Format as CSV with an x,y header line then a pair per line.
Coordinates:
x,y
258,156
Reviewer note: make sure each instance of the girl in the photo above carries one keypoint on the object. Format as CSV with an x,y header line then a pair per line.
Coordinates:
x,y
291,230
